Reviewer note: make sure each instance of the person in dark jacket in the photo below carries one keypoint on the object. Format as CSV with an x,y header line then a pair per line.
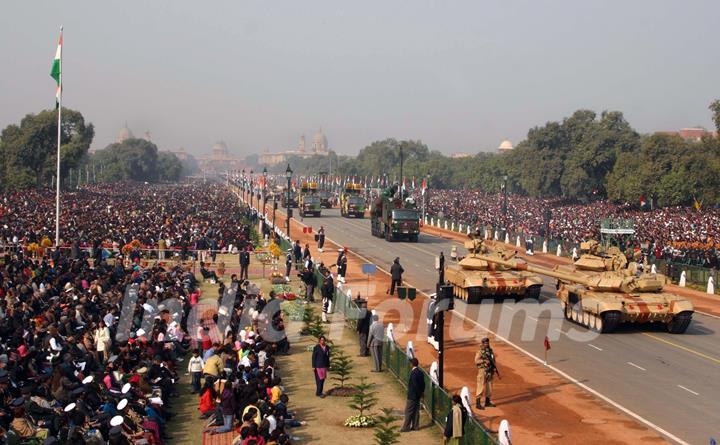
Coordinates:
x,y
455,422
308,278
228,406
327,291
396,271
244,263
320,364
297,254
363,328
416,389
321,239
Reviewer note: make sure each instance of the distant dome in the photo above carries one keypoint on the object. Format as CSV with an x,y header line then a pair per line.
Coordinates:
x,y
220,150
505,145
124,134
320,142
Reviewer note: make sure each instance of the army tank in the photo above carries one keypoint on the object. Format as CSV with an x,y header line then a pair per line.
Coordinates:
x,y
474,278
603,300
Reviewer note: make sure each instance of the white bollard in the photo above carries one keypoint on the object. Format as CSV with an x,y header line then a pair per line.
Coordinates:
x,y
574,253
465,396
426,220
559,250
390,331
434,376
544,250
409,350
468,230
446,224
432,221
711,286
507,238
497,236
517,241
504,434
460,228
653,269
683,278
487,233
452,226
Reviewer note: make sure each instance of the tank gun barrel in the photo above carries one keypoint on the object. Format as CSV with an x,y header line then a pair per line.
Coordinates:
x,y
521,265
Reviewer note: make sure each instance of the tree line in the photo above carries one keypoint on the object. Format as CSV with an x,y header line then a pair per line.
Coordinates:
x,y
584,157
28,155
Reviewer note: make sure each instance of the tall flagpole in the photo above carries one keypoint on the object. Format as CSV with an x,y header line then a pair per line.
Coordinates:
x,y
57,186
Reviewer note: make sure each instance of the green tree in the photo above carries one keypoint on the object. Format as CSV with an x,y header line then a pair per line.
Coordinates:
x,y
386,431
28,152
341,367
169,167
715,108
364,398
132,159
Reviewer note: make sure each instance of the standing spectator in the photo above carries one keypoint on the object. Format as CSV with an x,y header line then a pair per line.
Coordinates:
x,y
342,264
321,239
288,264
396,271
485,362
161,248
102,341
320,364
376,337
455,422
195,369
363,328
244,263
308,278
297,254
327,291
416,389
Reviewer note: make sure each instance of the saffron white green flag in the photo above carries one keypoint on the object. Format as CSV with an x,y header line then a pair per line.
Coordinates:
x,y
56,70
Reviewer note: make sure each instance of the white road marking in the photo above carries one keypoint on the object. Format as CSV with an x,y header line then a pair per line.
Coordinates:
x,y
532,318
508,308
593,346
561,373
638,367
689,390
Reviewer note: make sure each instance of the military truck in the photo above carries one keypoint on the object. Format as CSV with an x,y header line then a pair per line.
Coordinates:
x,y
394,219
352,202
309,203
326,201
284,199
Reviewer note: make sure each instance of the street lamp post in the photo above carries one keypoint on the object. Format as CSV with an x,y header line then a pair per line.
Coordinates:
x,y
504,187
264,189
252,191
242,184
288,175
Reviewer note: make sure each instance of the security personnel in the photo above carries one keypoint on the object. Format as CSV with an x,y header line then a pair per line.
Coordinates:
x,y
485,362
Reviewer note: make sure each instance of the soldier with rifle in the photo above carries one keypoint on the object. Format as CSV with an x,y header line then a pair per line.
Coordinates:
x,y
485,362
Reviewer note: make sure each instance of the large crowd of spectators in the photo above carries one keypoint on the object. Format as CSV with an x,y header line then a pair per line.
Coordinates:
x,y
90,345
678,233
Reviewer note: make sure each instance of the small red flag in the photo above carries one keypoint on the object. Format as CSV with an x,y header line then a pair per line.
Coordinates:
x,y
547,343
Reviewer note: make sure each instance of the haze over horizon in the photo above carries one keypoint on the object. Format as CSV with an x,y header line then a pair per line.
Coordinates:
x,y
459,76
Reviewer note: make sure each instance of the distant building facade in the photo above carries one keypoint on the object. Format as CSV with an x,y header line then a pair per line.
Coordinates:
x,y
319,147
692,134
219,160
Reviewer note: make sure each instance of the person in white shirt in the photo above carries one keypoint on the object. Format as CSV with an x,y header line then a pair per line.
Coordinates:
x,y
195,368
102,341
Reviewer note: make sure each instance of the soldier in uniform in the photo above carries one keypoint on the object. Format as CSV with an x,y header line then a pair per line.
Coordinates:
x,y
485,362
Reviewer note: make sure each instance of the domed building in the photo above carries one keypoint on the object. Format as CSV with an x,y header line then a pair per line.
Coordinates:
x,y
125,134
505,146
320,143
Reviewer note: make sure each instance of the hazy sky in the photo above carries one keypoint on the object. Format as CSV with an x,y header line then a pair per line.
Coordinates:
x,y
459,75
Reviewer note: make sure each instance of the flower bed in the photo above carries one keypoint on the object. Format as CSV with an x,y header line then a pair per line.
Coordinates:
x,y
360,421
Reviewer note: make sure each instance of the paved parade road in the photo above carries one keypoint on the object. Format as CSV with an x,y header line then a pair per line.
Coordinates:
x,y
672,381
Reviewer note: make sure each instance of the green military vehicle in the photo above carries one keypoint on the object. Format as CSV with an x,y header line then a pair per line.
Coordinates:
x,y
393,218
309,203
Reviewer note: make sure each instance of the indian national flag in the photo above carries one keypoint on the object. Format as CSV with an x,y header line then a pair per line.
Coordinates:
x,y
56,70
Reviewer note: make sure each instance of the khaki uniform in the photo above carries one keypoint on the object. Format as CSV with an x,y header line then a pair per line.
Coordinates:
x,y
483,360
